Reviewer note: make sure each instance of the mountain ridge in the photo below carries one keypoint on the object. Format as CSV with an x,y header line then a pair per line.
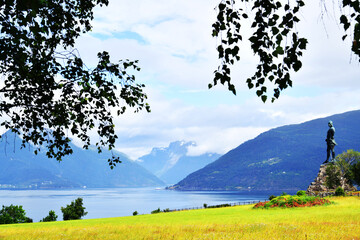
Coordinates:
x,y
284,158
21,168
171,164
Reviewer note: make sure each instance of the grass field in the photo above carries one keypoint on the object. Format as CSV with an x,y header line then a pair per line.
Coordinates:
x,y
337,221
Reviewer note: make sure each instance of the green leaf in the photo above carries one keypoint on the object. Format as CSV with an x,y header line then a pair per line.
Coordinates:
x,y
297,65
279,50
222,6
275,30
264,98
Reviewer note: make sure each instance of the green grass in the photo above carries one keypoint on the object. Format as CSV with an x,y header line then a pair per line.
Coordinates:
x,y
336,221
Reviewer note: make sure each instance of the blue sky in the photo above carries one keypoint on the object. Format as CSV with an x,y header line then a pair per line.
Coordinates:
x,y
177,55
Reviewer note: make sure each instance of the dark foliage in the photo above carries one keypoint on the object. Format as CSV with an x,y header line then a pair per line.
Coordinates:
x,y
159,211
13,214
271,197
219,205
156,211
49,93
355,170
300,193
339,191
74,211
274,40
52,217
333,177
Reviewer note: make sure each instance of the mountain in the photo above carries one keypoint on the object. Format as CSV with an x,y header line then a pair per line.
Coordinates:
x,y
285,158
171,164
21,168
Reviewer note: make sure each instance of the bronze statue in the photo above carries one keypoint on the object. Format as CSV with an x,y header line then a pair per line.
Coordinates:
x,y
330,142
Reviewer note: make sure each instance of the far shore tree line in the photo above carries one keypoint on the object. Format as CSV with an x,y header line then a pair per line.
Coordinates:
x,y
16,214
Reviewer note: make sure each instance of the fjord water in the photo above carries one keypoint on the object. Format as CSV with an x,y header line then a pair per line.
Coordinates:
x,y
117,202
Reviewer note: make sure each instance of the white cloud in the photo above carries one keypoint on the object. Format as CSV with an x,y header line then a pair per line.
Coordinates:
x,y
178,60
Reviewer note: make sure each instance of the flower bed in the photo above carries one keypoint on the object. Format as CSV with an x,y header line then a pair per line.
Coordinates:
x,y
288,201
356,193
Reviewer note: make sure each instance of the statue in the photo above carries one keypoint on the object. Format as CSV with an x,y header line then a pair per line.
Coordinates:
x,y
330,142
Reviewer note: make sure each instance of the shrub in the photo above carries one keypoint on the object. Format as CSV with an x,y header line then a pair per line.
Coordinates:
x,y
339,191
301,193
333,176
355,172
156,211
219,206
52,217
13,214
293,201
205,205
74,211
272,197
135,213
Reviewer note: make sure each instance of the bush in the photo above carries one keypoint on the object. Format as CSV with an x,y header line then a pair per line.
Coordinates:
x,y
301,193
74,211
219,206
339,192
333,176
52,217
13,214
272,197
355,172
135,213
156,211
293,201
205,205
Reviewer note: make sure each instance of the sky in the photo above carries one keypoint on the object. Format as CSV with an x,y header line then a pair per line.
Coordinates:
x,y
177,55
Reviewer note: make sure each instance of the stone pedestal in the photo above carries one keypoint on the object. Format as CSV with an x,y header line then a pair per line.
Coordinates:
x,y
318,186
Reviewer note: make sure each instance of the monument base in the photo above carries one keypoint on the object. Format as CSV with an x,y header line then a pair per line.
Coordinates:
x,y
319,188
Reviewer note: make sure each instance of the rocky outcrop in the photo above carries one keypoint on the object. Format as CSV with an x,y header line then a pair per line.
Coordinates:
x,y
318,186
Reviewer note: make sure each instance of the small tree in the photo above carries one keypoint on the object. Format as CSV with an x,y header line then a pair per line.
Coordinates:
x,y
355,172
333,177
343,163
74,211
13,214
52,217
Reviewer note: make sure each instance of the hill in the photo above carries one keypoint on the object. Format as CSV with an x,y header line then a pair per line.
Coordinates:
x,y
285,158
21,168
171,164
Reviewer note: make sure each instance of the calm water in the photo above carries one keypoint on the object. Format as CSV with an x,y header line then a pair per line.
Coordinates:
x,y
116,202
